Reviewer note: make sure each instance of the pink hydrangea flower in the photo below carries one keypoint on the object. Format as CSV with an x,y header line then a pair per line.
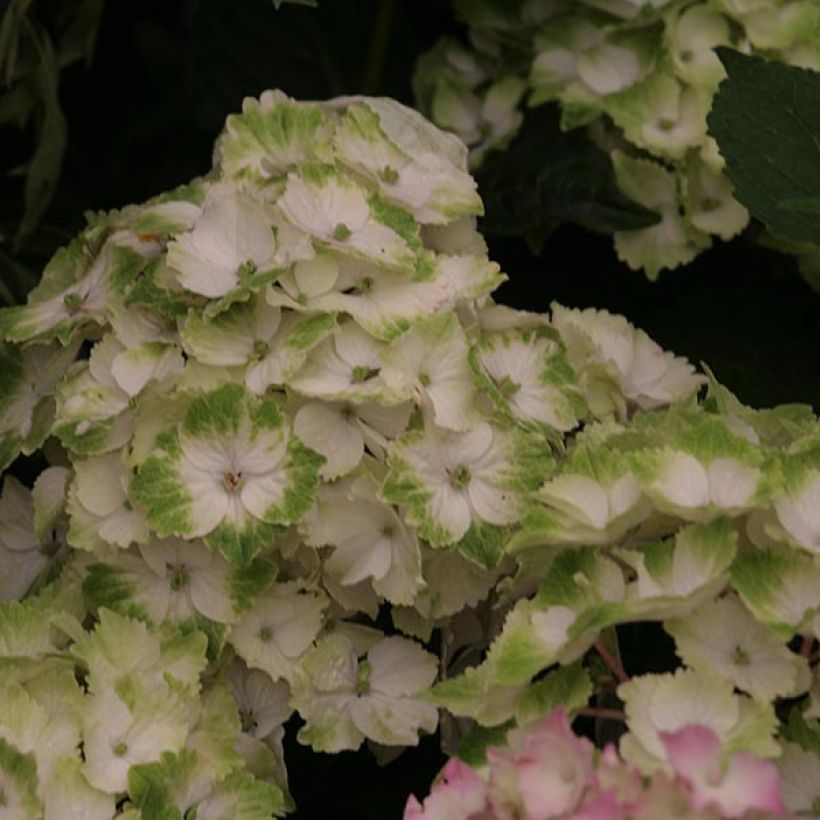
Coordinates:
x,y
459,794
746,783
544,771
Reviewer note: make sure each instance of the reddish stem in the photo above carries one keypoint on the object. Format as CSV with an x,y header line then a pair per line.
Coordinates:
x,y
604,714
612,662
805,647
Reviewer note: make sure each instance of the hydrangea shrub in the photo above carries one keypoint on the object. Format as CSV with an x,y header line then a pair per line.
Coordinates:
x,y
294,459
641,76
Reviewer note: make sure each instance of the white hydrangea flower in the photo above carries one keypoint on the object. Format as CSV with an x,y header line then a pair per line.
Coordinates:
x,y
619,364
99,505
229,472
344,699
278,630
799,779
30,377
171,580
370,540
429,364
451,481
23,555
346,367
264,704
340,431
798,512
117,737
724,638
666,703
231,239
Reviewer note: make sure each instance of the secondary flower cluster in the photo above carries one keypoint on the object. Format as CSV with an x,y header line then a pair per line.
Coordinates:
x,y
545,771
642,75
285,435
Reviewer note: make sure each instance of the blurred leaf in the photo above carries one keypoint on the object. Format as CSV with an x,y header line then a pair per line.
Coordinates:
x,y
547,177
44,169
13,20
473,747
80,35
279,3
766,120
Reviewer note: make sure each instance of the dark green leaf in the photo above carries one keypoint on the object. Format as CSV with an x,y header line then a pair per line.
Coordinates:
x,y
548,176
77,42
473,747
766,119
44,169
279,3
805,205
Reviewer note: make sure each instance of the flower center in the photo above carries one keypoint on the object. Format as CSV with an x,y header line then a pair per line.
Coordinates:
x,y
121,749
179,577
260,348
341,232
363,678
265,634
424,379
361,373
740,657
73,302
231,480
460,477
389,175
507,387
249,722
365,284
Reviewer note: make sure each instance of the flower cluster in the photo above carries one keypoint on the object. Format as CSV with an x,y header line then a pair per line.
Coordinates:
x,y
545,771
285,436
641,75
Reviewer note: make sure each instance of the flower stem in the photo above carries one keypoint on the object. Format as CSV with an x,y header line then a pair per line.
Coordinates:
x,y
603,714
612,662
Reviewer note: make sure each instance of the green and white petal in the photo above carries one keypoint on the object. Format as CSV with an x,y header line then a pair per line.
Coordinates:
x,y
693,33
28,379
341,215
430,364
388,710
19,775
778,586
676,576
387,304
799,779
115,738
670,243
346,367
323,691
709,200
724,638
798,510
238,336
74,288
272,135
67,795
231,239
616,361
370,541
295,338
228,473
278,630
426,183
93,414
666,703
241,796
99,508
49,496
